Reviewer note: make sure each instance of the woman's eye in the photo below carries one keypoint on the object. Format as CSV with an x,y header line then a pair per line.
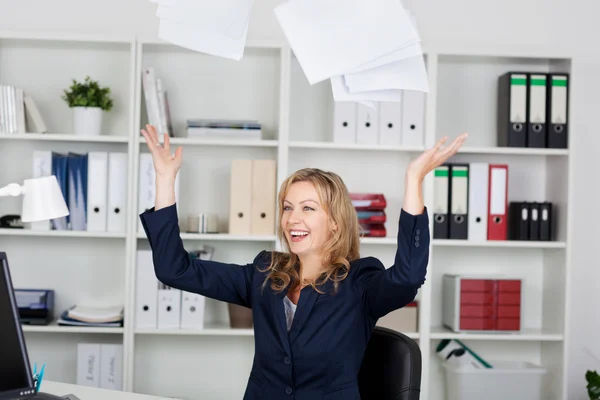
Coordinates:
x,y
307,208
287,208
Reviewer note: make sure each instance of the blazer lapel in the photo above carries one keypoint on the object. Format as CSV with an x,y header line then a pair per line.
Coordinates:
x,y
279,311
308,296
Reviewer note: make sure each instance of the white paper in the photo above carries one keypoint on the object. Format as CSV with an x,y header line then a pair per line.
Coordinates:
x,y
216,28
409,74
332,37
194,38
341,93
397,55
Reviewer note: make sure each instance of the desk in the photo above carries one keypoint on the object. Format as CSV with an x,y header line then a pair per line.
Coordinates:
x,y
91,393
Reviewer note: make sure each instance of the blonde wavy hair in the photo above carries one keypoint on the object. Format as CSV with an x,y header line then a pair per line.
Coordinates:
x,y
338,251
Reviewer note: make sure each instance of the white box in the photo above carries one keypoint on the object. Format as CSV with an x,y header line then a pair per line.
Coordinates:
x,y
512,380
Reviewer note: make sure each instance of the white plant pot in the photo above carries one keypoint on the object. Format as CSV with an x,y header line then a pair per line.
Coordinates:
x,y
87,120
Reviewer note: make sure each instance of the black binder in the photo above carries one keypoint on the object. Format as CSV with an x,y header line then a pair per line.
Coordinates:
x,y
442,202
534,221
518,220
537,109
546,221
459,201
558,110
511,118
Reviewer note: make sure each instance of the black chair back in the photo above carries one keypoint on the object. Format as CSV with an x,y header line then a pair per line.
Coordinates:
x,y
391,368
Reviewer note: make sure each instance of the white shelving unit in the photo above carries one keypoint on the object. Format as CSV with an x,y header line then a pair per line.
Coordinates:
x,y
269,85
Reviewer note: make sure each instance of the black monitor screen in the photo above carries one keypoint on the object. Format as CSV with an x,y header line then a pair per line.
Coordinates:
x,y
15,372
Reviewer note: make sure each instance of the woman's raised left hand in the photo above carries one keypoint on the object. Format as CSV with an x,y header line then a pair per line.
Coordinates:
x,y
434,157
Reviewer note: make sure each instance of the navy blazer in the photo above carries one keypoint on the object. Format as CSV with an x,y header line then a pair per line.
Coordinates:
x,y
321,355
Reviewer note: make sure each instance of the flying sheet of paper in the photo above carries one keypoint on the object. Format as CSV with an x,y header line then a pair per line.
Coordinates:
x,y
409,74
332,37
341,93
216,28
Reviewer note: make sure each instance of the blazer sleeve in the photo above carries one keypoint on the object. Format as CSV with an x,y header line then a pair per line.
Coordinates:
x,y
384,290
175,267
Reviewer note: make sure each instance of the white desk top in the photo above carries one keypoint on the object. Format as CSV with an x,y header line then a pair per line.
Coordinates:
x,y
91,393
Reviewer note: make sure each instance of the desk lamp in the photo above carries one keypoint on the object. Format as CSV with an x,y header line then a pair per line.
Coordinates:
x,y
42,198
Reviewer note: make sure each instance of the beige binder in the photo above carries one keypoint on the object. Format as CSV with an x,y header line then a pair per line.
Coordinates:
x,y
264,190
240,198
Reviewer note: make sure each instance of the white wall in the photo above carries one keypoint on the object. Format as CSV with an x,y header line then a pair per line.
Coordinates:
x,y
569,24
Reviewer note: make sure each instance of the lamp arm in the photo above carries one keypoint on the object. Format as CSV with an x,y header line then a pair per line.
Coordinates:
x,y
12,189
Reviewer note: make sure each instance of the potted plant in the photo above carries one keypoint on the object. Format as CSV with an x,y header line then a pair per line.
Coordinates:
x,y
88,101
593,384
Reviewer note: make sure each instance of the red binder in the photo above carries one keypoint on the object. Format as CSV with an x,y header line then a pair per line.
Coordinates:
x,y
497,202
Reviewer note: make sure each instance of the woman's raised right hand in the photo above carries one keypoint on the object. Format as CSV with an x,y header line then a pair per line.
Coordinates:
x,y
166,165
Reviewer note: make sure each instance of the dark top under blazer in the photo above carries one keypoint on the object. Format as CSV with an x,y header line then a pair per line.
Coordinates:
x,y
321,355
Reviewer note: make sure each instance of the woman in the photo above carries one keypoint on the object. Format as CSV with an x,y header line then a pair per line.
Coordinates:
x,y
313,307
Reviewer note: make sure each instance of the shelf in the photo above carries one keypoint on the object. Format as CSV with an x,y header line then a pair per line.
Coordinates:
x,y
220,237
64,137
55,328
209,330
346,146
525,335
514,151
53,233
220,142
500,243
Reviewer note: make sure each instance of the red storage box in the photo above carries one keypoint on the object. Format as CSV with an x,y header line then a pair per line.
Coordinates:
x,y
372,230
371,217
481,304
368,201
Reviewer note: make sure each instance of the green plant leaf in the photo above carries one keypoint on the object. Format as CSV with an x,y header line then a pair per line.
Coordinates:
x,y
593,387
88,94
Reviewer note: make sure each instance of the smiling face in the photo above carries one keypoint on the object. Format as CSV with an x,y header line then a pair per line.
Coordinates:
x,y
306,224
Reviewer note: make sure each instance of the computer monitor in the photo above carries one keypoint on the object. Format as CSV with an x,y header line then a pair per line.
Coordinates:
x,y
16,379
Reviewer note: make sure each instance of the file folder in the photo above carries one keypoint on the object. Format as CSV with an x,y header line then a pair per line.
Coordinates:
x,y
459,201
478,201
240,198
344,122
441,226
390,123
518,214
536,129
146,291
117,192
88,364
558,110
77,173
534,221
97,187
546,221
498,202
512,110
413,118
169,307
367,125
264,193
192,310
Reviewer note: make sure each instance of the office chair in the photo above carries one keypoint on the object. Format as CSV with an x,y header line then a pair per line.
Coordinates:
x,y
391,368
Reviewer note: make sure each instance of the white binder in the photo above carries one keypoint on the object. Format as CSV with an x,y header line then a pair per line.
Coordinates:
x,y
192,310
117,192
111,366
344,122
413,118
97,177
169,307
478,201
146,291
390,123
367,125
42,166
88,364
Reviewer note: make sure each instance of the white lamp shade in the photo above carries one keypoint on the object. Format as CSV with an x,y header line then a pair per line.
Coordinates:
x,y
43,200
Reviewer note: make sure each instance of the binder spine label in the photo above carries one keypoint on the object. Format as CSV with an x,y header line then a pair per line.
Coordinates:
x,y
518,99
559,100
537,112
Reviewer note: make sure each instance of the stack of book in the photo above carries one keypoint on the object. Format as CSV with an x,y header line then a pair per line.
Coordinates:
x,y
370,208
224,129
92,316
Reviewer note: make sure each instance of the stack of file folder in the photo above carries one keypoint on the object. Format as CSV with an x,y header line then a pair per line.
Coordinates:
x,y
533,109
370,208
471,203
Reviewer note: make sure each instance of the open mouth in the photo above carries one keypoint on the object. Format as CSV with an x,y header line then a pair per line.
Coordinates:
x,y
298,236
